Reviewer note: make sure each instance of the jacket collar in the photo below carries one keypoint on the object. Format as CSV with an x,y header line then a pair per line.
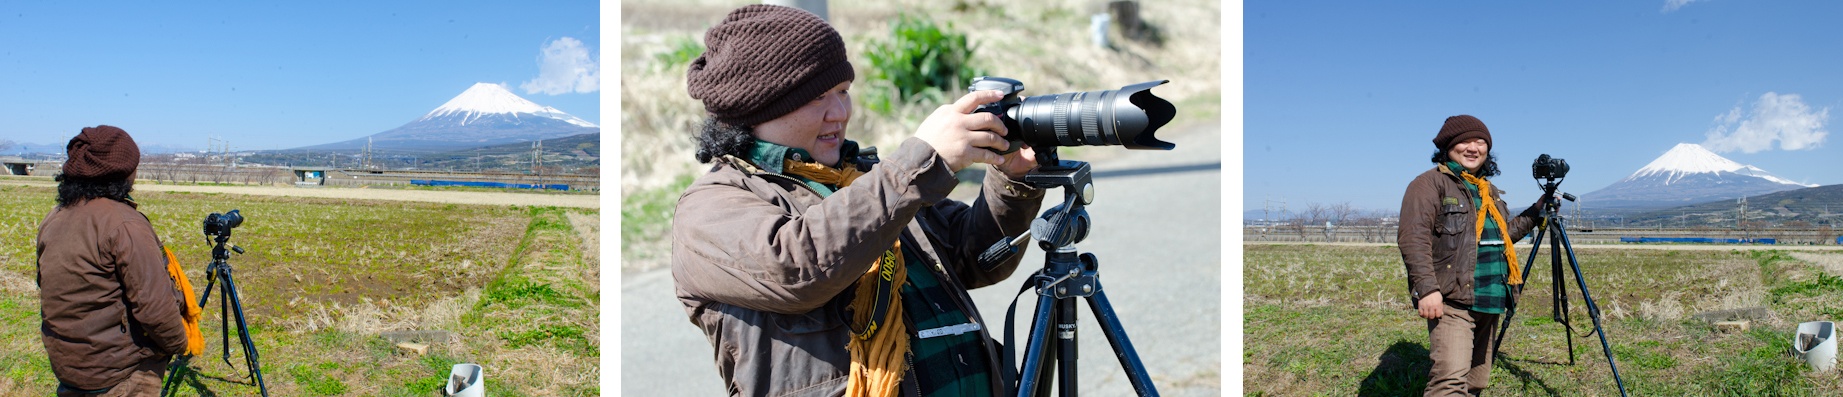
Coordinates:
x,y
771,157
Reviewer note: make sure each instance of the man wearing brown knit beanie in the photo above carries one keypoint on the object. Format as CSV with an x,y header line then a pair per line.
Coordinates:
x,y
111,312
815,267
1459,250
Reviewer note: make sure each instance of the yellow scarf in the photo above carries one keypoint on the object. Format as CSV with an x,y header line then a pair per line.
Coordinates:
x,y
1490,208
877,353
190,312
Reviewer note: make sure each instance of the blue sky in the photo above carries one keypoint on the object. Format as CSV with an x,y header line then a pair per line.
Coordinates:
x,y
269,75
1343,98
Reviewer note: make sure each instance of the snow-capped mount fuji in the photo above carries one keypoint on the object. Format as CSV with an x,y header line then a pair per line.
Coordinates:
x,y
1688,174
484,115
485,100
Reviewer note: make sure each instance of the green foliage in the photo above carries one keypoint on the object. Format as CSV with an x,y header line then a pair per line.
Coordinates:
x,y
1825,282
1762,371
519,293
1646,355
920,62
647,215
314,379
562,336
683,49
438,366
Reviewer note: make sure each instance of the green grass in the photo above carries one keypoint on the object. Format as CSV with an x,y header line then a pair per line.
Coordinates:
x,y
322,277
646,219
1333,320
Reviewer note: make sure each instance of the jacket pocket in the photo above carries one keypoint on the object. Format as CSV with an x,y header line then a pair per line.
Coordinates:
x,y
1455,219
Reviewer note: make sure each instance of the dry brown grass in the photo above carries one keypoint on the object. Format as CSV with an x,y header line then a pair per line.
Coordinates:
x,y
588,227
1335,320
323,278
1831,262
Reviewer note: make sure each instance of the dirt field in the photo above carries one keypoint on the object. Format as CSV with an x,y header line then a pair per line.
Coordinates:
x,y
448,197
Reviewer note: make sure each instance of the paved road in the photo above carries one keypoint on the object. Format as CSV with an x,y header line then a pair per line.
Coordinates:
x,y
1158,236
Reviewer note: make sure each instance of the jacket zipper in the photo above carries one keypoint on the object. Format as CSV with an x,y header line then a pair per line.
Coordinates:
x,y
910,358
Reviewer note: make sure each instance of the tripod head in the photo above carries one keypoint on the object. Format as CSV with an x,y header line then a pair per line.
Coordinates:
x,y
1066,223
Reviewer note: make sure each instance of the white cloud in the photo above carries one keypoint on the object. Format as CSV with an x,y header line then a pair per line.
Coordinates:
x,y
1782,118
1673,5
565,66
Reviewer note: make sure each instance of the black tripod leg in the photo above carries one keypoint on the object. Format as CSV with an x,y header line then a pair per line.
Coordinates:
x,y
1066,345
1561,288
224,317
251,357
1033,375
1122,346
1593,312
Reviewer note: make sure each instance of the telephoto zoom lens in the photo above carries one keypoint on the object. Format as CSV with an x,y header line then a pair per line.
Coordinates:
x,y
1128,116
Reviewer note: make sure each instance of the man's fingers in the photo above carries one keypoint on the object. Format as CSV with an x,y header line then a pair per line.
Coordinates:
x,y
984,122
972,100
990,140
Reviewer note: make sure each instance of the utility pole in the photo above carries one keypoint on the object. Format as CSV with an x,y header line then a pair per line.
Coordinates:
x,y
537,160
1742,223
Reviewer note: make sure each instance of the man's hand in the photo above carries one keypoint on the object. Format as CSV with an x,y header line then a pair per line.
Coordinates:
x,y
962,137
1432,306
1019,163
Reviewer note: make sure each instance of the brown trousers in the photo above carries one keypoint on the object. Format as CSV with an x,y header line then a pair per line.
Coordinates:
x,y
1460,345
144,381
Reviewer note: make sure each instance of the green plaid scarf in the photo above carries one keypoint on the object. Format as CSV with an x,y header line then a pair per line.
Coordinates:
x,y
1489,291
945,365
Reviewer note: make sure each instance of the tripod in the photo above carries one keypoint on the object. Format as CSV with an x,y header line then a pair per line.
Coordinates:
x,y
1553,223
1067,274
230,304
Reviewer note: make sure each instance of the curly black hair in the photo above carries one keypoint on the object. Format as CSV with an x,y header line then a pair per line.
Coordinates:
x,y
1486,170
72,190
717,138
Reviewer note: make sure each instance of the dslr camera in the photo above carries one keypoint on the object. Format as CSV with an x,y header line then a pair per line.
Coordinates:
x,y
1549,167
220,224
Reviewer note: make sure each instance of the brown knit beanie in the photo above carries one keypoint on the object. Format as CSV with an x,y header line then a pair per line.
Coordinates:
x,y
102,152
1459,129
764,61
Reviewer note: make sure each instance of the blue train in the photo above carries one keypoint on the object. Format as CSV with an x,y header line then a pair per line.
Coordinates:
x,y
1703,240
502,185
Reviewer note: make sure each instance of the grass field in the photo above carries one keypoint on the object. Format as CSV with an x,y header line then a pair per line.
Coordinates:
x,y
1336,321
323,278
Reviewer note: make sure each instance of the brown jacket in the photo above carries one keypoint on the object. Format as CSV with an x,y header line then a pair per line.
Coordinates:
x,y
763,265
1438,235
107,301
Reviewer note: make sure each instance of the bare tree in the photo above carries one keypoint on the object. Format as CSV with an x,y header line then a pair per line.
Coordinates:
x,y
1295,222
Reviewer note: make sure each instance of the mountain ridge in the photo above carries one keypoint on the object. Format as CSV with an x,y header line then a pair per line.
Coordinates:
x,y
1687,174
485,114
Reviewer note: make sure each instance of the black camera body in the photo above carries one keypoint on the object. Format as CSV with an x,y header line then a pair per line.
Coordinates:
x,y
1128,116
220,224
1549,167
